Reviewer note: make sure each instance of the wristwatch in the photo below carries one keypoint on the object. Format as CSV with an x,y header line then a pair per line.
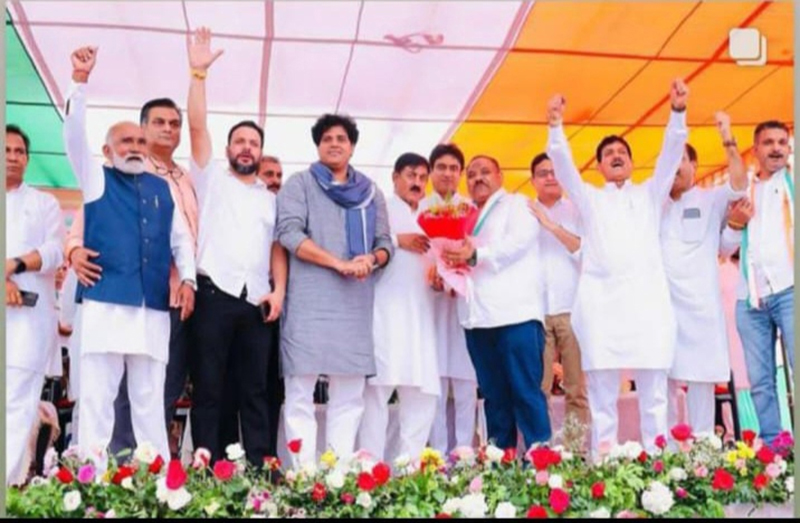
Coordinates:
x,y
21,266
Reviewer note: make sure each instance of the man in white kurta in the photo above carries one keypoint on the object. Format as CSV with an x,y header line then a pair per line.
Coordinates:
x,y
691,228
455,366
622,314
114,336
404,327
34,234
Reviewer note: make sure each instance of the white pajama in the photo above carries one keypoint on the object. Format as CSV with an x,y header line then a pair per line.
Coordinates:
x,y
417,410
465,401
700,406
23,392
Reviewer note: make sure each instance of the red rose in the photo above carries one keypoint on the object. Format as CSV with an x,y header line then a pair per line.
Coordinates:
x,y
509,456
642,457
681,432
295,445
598,490
542,458
224,469
155,466
65,475
442,515
760,481
366,482
348,499
559,500
661,442
537,512
765,455
658,467
381,472
318,493
176,476
722,480
123,472
749,437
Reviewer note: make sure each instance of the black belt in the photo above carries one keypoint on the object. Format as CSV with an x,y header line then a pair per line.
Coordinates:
x,y
204,280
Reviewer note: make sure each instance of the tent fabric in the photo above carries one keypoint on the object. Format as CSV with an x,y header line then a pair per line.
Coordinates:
x,y
412,74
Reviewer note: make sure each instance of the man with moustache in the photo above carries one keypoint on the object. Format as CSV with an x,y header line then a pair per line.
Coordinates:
x,y
134,225
765,299
404,327
34,233
560,249
622,314
271,172
455,367
692,229
503,312
237,308
161,121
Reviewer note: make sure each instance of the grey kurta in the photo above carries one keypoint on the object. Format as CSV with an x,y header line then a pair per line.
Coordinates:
x,y
327,326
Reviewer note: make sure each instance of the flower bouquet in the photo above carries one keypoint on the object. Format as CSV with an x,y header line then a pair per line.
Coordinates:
x,y
447,225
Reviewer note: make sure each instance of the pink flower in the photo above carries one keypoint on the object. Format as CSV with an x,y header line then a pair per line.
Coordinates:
x,y
224,470
783,443
559,500
773,470
176,476
701,471
658,467
476,485
86,474
661,441
681,493
202,457
348,499
542,477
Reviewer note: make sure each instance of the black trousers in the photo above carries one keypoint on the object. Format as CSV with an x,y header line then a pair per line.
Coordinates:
x,y
229,329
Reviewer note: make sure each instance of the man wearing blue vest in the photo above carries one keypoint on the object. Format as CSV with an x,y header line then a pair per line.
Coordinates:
x,y
131,220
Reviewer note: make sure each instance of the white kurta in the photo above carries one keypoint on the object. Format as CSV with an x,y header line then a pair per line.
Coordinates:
x,y
690,238
33,222
623,316
404,322
451,342
108,327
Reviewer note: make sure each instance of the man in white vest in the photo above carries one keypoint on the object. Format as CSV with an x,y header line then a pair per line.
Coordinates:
x,y
622,314
404,327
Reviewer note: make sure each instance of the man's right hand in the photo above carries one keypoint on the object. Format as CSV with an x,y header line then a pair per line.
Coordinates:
x,y
555,110
200,55
741,211
13,296
417,243
88,273
83,61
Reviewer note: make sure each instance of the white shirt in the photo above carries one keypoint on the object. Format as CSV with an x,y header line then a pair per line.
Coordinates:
x,y
768,251
236,230
622,315
505,286
690,239
33,222
404,322
109,327
561,267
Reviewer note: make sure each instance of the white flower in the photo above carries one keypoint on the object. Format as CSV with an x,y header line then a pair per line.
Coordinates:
x,y
271,509
494,454
145,453
451,506
201,458
175,499
402,461
782,464
677,474
334,480
465,455
657,499
309,468
111,514
234,451
364,500
566,456
555,481
505,510
127,483
290,476
37,481
629,450
474,506
454,479
601,513
50,459
72,500
790,484
212,507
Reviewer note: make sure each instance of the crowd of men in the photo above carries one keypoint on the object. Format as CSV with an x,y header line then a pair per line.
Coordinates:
x,y
248,285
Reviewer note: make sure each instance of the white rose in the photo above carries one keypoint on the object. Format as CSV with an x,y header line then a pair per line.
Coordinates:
x,y
790,484
494,454
451,506
177,499
212,507
111,514
335,480
566,456
505,510
474,506
465,455
162,491
271,509
309,468
677,474
782,464
402,461
234,451
145,453
364,500
127,483
37,481
632,449
601,513
555,482
657,499
72,500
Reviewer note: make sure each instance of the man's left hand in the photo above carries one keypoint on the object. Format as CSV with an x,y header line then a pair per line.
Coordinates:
x,y
460,255
275,301
186,300
11,266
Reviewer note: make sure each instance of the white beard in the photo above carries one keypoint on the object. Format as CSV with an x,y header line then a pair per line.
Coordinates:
x,y
128,167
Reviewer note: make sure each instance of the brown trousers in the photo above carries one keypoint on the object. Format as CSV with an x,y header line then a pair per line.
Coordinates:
x,y
560,339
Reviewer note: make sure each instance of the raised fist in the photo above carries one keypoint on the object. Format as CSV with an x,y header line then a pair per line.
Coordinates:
x,y
678,94
83,61
555,110
723,124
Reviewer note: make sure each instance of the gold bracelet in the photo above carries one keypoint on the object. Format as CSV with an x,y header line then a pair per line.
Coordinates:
x,y
200,75
736,226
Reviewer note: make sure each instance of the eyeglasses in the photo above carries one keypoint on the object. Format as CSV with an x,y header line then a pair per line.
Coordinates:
x,y
544,173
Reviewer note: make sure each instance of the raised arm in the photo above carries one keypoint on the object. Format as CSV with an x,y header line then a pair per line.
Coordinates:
x,y
560,154
200,59
736,168
669,159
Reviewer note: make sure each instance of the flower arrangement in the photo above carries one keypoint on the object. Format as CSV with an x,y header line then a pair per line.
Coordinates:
x,y
686,477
